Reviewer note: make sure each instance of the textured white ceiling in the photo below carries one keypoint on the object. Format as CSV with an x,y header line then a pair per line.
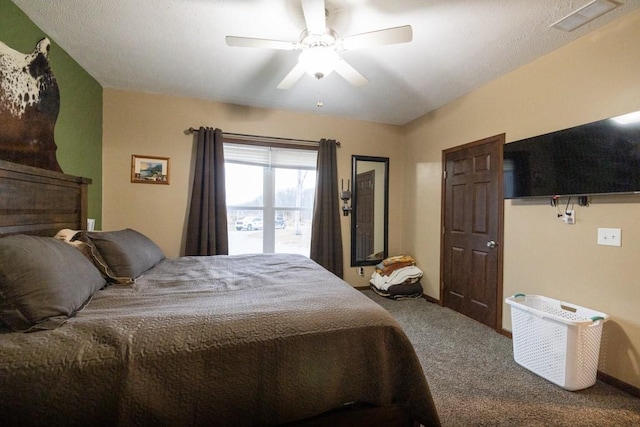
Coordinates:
x,y
178,47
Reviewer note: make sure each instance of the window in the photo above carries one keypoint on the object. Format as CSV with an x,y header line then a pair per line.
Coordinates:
x,y
270,192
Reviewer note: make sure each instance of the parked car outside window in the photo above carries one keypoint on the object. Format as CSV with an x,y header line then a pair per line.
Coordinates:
x,y
249,223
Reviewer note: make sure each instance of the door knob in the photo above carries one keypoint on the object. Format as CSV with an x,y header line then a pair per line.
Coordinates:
x,y
491,244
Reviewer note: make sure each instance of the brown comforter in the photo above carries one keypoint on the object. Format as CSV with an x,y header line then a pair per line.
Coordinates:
x,y
238,340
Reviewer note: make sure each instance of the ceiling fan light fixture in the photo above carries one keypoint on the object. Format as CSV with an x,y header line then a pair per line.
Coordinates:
x,y
318,61
319,46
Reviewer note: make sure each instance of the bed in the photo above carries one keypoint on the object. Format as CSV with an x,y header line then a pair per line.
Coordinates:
x,y
224,340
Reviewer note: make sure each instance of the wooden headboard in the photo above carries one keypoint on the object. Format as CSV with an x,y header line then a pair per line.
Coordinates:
x,y
39,201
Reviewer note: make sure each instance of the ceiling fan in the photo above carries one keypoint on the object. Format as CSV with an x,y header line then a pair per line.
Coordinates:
x,y
319,46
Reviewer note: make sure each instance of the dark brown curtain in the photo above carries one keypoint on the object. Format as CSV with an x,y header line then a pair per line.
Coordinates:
x,y
326,237
207,226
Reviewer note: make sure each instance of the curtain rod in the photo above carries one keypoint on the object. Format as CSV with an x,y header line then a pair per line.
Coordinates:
x,y
242,135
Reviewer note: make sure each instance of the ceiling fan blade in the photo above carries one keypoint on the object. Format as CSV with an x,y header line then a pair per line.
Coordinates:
x,y
402,34
349,73
314,16
261,43
291,78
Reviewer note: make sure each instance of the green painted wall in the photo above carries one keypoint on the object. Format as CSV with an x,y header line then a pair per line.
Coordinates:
x,y
78,131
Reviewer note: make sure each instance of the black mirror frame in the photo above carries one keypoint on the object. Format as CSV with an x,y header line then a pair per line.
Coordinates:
x,y
354,207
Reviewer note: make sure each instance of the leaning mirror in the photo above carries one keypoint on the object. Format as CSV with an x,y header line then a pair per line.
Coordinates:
x,y
369,216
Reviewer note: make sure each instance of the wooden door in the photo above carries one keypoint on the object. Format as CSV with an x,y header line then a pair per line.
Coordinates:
x,y
472,217
365,193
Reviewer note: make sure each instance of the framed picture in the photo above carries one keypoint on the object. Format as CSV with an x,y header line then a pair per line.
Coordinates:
x,y
149,169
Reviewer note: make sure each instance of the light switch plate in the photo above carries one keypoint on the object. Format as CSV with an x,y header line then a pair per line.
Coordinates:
x,y
609,236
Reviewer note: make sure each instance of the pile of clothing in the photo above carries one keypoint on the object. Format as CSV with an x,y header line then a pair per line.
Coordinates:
x,y
397,277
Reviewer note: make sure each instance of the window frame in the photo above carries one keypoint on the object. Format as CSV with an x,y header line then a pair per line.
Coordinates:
x,y
268,208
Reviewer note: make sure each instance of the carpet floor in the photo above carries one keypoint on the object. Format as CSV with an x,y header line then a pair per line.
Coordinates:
x,y
475,381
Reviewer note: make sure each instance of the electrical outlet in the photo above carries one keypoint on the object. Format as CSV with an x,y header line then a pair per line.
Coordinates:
x,y
360,271
569,216
610,236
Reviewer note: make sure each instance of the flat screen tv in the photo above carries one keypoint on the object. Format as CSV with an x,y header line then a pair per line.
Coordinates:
x,y
602,157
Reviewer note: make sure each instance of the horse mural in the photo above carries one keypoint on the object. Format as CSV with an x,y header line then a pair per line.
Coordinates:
x,y
29,106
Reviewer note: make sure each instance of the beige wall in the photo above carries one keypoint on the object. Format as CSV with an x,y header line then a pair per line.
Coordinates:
x,y
596,77
153,125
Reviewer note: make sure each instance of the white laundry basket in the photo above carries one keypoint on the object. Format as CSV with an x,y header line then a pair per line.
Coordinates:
x,y
556,340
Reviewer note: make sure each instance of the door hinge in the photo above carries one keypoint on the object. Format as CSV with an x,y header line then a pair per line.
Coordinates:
x,y
444,174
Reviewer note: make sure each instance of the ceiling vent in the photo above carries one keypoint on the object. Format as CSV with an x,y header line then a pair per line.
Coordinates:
x,y
585,14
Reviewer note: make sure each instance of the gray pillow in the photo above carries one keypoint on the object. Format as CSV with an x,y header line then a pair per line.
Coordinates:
x,y
43,282
127,253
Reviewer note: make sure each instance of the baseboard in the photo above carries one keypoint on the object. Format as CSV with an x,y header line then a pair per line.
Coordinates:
x,y
431,299
506,333
619,384
605,378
